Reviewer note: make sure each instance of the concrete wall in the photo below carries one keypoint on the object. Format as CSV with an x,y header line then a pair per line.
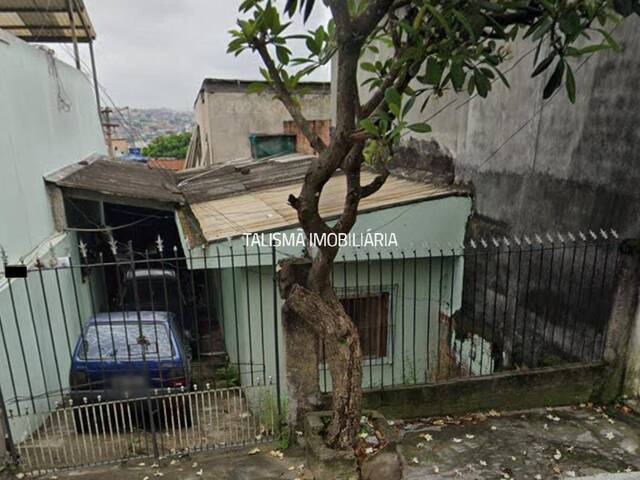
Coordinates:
x,y
571,166
48,119
227,117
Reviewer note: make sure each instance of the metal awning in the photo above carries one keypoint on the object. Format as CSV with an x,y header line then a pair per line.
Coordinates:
x,y
47,21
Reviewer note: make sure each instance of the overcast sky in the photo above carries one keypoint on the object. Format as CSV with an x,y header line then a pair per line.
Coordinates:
x,y
155,53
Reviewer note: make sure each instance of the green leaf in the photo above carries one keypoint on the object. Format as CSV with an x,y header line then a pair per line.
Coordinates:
x,y
419,128
543,65
570,23
439,17
283,55
256,87
369,127
610,40
369,67
393,99
465,23
433,72
542,29
457,75
555,80
483,85
408,106
571,85
594,48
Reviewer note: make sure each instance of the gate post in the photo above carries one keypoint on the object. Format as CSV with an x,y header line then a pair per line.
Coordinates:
x,y
5,432
301,348
624,313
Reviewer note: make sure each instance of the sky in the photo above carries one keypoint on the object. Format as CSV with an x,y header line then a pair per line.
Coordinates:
x,y
155,53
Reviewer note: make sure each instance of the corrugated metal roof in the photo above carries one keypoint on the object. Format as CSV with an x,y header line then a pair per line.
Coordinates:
x,y
119,179
46,20
267,209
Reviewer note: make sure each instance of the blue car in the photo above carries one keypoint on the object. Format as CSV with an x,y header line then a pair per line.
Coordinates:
x,y
128,354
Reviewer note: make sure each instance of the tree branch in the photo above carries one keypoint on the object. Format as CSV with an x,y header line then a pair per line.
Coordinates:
x,y
287,99
372,16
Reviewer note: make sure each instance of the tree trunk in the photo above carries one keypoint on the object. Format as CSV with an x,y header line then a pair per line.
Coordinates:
x,y
325,314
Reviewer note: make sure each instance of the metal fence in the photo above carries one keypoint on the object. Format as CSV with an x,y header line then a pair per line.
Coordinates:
x,y
110,353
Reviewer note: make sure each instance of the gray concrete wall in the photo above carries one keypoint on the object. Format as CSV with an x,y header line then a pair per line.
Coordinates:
x,y
227,118
568,167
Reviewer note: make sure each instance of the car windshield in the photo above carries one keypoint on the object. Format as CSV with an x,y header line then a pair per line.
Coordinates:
x,y
123,341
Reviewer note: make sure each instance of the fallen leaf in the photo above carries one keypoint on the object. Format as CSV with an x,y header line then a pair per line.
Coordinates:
x,y
557,455
415,460
553,418
493,413
426,437
194,465
494,428
173,462
483,463
291,468
420,445
199,473
368,450
277,454
253,451
570,473
537,476
545,426
470,437
436,469
609,435
513,459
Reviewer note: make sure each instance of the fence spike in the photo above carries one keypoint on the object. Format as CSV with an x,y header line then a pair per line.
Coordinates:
x,y
582,236
560,237
208,386
483,242
517,240
614,233
160,244
506,241
3,255
538,238
83,249
593,235
604,234
527,239
113,245
549,237
472,243
495,242
571,237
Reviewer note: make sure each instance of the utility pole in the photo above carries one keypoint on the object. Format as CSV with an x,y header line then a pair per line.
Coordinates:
x,y
108,128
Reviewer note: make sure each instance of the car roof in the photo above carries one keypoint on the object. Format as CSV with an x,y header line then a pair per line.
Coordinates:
x,y
131,317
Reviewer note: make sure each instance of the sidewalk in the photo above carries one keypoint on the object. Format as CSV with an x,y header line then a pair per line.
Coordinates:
x,y
536,444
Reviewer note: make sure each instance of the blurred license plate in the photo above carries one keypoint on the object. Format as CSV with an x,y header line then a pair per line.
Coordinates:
x,y
128,382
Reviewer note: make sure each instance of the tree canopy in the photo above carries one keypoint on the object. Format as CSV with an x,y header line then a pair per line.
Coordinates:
x,y
168,146
424,49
